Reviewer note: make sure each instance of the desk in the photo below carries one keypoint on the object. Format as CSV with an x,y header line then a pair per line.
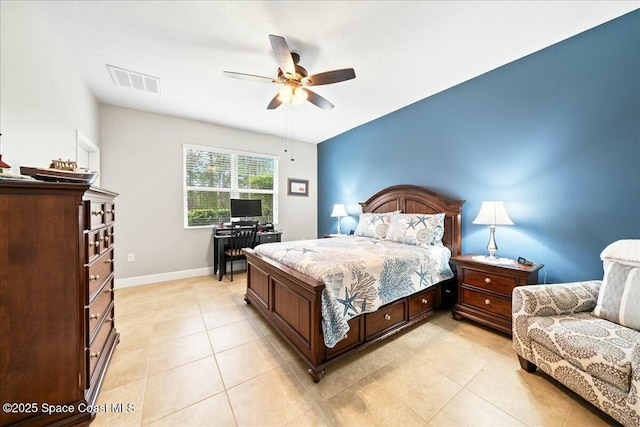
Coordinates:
x,y
219,241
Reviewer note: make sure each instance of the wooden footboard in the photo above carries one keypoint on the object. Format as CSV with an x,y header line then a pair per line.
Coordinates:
x,y
291,303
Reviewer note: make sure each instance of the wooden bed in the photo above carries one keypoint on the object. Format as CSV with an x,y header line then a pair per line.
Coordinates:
x,y
291,301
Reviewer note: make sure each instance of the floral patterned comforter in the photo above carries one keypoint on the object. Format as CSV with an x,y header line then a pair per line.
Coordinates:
x,y
361,274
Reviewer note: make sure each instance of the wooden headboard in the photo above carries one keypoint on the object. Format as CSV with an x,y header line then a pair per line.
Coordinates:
x,y
415,199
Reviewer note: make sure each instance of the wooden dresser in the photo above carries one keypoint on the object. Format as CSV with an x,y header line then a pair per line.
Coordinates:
x,y
484,289
57,332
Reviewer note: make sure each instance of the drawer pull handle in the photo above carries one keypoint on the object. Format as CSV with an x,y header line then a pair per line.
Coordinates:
x,y
487,301
487,280
425,301
108,291
95,316
110,261
346,336
91,243
96,277
95,355
387,317
97,213
109,211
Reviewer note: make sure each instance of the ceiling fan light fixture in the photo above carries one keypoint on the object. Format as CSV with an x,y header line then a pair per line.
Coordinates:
x,y
299,96
285,94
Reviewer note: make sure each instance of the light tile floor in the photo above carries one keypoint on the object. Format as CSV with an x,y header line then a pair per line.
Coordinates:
x,y
193,353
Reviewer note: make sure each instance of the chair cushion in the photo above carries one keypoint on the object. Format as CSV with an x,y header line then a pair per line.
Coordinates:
x,y
234,252
619,297
601,348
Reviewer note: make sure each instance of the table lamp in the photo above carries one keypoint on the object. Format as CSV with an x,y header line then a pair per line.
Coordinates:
x,y
338,211
492,214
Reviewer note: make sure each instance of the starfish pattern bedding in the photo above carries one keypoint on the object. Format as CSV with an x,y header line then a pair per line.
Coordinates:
x,y
361,274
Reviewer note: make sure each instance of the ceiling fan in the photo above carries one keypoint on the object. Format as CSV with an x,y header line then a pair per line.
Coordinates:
x,y
294,78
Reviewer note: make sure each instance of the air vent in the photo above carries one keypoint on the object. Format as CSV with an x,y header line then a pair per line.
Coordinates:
x,y
134,79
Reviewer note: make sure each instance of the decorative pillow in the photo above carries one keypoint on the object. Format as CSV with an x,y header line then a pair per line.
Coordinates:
x,y
417,229
374,225
619,297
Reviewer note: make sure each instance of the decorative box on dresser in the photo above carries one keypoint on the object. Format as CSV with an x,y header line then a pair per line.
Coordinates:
x,y
484,289
57,332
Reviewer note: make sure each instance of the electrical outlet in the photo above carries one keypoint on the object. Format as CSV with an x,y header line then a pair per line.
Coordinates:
x,y
131,257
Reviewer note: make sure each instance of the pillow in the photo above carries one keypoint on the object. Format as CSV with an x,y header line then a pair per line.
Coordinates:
x,y
417,229
619,297
374,225
626,251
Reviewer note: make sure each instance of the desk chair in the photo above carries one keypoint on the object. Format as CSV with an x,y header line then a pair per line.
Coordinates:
x,y
241,237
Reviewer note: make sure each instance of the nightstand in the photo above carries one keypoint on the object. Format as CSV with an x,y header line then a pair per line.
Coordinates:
x,y
484,289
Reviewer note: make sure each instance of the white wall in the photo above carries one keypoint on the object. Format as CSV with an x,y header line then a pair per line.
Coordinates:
x,y
43,99
142,160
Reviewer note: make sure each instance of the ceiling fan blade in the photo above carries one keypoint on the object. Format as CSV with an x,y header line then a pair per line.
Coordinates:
x,y
275,102
317,100
283,54
329,77
243,76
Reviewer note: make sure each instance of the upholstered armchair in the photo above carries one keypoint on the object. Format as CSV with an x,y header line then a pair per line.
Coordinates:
x,y
586,334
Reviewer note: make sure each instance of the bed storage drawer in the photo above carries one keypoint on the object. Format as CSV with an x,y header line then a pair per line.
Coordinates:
x,y
351,339
422,303
386,317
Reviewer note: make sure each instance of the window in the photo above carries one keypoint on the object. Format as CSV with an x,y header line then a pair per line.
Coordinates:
x,y
214,176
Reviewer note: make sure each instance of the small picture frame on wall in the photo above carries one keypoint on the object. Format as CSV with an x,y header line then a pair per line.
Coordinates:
x,y
297,187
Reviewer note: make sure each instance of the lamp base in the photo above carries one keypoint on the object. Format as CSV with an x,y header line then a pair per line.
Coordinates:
x,y
492,247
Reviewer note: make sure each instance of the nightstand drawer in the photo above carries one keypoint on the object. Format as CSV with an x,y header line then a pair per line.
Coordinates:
x,y
489,281
487,302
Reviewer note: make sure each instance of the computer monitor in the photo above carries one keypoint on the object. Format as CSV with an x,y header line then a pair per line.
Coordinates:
x,y
246,208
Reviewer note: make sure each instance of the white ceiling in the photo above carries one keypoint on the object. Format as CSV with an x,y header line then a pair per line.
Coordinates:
x,y
402,51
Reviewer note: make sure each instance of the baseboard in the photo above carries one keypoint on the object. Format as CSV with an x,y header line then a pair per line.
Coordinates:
x,y
162,277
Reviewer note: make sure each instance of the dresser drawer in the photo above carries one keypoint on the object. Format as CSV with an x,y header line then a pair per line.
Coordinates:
x,y
99,308
109,237
93,244
487,302
96,215
489,281
422,303
386,317
97,345
109,213
99,271
352,338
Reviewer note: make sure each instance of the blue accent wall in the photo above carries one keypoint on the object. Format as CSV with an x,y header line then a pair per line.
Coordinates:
x,y
555,135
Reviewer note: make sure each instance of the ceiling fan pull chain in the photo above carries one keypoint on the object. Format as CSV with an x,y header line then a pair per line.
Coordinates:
x,y
291,145
285,133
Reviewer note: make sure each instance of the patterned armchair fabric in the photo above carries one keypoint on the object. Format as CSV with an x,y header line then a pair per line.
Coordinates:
x,y
555,330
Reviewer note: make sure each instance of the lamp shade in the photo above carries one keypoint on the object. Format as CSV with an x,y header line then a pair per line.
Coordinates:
x,y
493,213
338,211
